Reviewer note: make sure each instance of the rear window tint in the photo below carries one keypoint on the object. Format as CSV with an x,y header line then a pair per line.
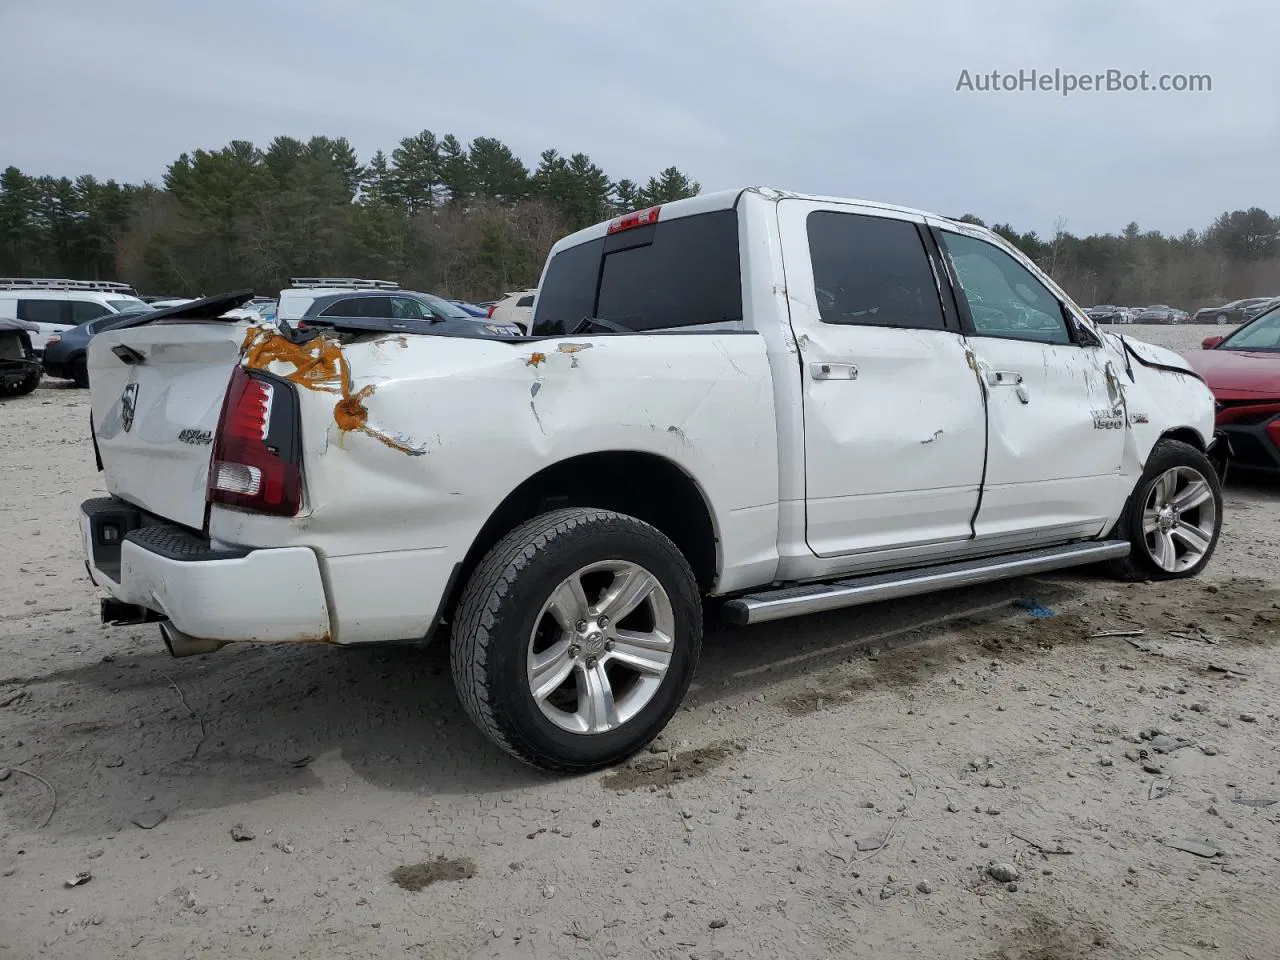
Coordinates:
x,y
681,273
43,311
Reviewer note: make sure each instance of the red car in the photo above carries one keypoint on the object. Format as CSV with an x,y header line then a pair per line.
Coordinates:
x,y
1243,370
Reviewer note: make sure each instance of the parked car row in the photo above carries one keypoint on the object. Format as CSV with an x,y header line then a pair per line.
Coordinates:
x,y
46,324
1237,311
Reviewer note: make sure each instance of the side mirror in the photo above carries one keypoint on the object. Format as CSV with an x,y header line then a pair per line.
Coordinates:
x,y
1208,343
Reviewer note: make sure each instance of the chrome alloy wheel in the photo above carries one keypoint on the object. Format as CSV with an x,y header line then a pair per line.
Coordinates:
x,y
600,647
1179,519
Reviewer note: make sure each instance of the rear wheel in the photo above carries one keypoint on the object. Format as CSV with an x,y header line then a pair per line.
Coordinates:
x,y
80,373
1173,517
1221,319
23,388
576,639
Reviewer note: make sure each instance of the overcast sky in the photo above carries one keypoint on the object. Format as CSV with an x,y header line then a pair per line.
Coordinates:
x,y
819,96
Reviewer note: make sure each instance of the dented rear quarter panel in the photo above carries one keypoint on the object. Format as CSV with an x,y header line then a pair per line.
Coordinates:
x,y
411,443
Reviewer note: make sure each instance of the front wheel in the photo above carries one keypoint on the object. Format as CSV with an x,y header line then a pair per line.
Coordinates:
x,y
1173,517
576,639
1222,320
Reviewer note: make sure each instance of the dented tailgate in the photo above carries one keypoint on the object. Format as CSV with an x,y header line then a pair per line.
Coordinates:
x,y
156,392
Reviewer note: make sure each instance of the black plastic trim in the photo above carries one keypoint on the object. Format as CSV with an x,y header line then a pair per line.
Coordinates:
x,y
178,543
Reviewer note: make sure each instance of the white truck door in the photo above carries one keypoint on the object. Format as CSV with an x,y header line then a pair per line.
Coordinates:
x,y
894,427
1056,416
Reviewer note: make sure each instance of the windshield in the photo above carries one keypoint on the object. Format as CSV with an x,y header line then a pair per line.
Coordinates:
x,y
1262,333
443,308
126,303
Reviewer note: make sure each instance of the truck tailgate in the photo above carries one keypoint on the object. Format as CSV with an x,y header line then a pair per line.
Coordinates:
x,y
156,394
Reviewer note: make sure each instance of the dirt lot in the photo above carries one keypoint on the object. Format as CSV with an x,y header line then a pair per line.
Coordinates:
x,y
837,786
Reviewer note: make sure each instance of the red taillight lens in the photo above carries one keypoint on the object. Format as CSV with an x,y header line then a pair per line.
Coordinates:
x,y
492,307
253,466
640,218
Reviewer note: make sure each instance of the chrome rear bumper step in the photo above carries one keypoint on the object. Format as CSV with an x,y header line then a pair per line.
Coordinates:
x,y
820,597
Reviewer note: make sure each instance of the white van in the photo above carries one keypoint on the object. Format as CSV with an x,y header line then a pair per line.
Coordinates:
x,y
58,305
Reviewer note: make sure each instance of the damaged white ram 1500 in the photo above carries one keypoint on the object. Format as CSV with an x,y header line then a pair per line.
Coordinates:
x,y
789,403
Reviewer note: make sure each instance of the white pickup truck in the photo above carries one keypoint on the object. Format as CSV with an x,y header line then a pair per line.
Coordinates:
x,y
789,403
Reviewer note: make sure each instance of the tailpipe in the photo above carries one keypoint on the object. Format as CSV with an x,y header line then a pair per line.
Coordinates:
x,y
180,644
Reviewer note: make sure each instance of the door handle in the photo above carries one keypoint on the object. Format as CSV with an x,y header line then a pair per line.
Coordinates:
x,y
1009,378
1004,378
821,370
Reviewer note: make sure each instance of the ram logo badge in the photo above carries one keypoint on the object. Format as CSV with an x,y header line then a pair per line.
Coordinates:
x,y
128,405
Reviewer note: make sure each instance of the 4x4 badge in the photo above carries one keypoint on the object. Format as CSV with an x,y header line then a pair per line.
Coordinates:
x,y
128,404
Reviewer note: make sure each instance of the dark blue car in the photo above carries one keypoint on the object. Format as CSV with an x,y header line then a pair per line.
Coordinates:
x,y
64,353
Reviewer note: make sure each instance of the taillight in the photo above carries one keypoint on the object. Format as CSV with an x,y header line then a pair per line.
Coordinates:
x,y
255,461
492,307
641,218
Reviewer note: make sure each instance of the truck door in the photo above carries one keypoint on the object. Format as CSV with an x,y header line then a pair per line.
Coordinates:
x,y
894,425
1056,417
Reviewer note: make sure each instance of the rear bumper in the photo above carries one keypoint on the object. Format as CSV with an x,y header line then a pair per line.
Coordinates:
x,y
227,595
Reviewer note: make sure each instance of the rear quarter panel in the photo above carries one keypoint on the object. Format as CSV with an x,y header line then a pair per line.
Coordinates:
x,y
411,443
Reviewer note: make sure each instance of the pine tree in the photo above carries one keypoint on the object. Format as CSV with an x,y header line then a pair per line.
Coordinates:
x,y
416,175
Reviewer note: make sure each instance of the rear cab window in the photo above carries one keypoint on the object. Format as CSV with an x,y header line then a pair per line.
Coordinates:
x,y
672,274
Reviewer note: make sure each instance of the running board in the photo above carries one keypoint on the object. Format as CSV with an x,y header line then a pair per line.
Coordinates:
x,y
820,597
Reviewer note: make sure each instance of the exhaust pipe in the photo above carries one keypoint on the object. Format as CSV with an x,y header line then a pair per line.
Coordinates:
x,y
184,645
118,613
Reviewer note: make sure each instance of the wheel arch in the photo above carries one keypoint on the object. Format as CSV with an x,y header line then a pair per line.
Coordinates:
x,y
646,486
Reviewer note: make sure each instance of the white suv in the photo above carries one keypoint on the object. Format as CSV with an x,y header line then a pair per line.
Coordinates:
x,y
516,308
58,305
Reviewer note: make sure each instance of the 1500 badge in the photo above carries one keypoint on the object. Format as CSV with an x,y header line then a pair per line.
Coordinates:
x,y
196,437
1108,419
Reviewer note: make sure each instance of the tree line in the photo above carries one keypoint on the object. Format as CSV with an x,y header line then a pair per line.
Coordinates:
x,y
472,220
464,220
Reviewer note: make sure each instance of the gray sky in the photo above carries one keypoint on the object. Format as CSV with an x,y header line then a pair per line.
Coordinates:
x,y
820,96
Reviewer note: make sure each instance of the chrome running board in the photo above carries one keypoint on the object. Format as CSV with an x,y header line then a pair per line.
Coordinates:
x,y
820,597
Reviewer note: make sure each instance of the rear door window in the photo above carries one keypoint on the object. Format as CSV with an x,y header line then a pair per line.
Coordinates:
x,y
82,311
872,271
682,273
375,307
44,311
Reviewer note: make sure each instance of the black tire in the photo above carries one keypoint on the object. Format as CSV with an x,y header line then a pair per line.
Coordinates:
x,y
1140,563
80,373
22,389
500,609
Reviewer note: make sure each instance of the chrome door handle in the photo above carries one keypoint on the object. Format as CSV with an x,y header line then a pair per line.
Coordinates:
x,y
1004,378
821,370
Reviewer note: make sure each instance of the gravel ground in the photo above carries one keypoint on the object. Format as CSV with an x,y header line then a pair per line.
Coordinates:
x,y
939,777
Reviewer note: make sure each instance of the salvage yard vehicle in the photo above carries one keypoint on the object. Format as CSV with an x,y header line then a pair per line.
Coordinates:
x,y
56,306
787,404
19,368
1243,371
